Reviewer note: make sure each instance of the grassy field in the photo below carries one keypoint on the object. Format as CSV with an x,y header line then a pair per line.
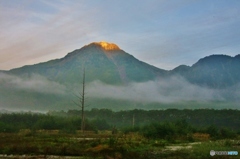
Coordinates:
x,y
104,145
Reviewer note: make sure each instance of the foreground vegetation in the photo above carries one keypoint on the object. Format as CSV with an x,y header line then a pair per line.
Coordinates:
x,y
42,144
41,135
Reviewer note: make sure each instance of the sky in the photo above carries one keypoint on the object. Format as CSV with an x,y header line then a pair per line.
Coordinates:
x,y
163,33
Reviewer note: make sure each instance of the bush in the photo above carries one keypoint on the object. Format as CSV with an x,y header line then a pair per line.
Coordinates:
x,y
7,128
227,134
168,131
69,129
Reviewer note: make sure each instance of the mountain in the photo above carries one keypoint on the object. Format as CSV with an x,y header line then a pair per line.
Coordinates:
x,y
215,71
117,80
102,61
106,62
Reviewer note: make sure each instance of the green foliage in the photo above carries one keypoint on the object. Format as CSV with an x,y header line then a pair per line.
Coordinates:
x,y
100,124
175,124
112,141
69,129
108,146
220,133
7,128
198,118
127,130
168,130
213,131
17,121
227,134
47,123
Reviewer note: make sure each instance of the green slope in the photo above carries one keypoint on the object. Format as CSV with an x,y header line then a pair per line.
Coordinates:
x,y
108,66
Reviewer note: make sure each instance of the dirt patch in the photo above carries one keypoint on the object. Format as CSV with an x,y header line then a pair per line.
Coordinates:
x,y
179,147
4,156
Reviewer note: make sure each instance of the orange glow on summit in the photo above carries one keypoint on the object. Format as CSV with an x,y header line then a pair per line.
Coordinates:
x,y
107,46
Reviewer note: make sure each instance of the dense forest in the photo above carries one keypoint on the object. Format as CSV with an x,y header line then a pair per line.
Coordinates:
x,y
226,118
164,124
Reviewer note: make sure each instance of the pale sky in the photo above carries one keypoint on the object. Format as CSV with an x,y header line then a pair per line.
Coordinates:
x,y
163,33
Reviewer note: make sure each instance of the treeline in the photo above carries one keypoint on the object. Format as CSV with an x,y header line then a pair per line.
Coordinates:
x,y
169,124
200,118
16,121
181,130
165,124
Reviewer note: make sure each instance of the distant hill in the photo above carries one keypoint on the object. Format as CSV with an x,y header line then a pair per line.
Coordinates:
x,y
215,71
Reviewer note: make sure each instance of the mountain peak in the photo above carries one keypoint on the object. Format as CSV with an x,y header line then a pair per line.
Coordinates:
x,y
106,45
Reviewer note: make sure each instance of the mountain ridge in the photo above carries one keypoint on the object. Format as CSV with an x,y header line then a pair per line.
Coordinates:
x,y
117,66
112,63
132,83
215,71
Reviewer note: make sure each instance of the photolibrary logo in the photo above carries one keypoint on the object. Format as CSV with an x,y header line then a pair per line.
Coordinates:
x,y
212,153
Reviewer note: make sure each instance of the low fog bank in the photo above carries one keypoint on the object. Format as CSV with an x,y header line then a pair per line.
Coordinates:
x,y
31,93
168,90
34,83
36,92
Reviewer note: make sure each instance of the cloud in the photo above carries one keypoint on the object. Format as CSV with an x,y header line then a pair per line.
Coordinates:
x,y
34,83
37,92
28,35
170,90
164,34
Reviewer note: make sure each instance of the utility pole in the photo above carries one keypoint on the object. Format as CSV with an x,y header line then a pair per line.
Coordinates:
x,y
133,121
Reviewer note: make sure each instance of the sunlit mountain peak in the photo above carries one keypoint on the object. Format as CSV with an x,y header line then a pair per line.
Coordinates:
x,y
107,46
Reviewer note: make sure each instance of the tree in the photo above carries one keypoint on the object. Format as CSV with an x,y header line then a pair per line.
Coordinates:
x,y
81,98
